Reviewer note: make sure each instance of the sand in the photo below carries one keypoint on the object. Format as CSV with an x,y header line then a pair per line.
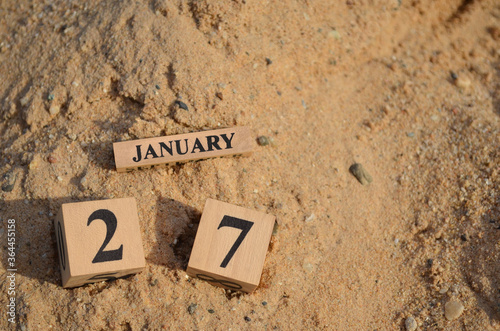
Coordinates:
x,y
408,89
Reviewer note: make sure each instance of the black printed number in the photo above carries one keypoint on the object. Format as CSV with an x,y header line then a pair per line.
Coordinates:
x,y
110,220
237,223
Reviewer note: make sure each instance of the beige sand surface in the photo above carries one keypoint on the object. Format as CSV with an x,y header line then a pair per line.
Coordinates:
x,y
409,89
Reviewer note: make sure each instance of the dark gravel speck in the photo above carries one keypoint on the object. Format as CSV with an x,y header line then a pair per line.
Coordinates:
x,y
9,183
192,308
181,105
263,141
247,319
360,173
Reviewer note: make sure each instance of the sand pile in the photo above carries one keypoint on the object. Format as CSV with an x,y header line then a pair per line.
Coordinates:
x,y
408,89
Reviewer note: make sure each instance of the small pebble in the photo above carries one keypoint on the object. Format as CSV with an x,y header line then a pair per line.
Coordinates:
x,y
59,178
50,97
219,95
462,82
444,289
52,159
263,141
264,303
24,101
33,164
54,109
410,324
9,183
453,310
192,308
410,134
157,86
360,173
453,75
83,180
309,218
211,311
247,319
181,105
268,61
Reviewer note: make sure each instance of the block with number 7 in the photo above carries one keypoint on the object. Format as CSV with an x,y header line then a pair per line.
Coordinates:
x,y
230,246
98,240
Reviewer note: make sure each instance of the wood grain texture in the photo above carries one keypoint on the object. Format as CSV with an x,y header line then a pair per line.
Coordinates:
x,y
89,246
220,227
150,152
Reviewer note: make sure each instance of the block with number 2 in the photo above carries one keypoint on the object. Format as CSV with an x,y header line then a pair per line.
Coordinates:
x,y
230,246
98,240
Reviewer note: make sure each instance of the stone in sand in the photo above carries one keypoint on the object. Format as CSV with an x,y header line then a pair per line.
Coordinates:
x,y
360,173
192,308
10,182
411,324
263,141
453,309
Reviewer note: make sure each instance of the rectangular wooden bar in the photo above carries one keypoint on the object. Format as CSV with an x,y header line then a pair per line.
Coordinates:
x,y
150,152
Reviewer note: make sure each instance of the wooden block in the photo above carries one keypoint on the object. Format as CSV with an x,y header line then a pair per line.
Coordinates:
x,y
150,152
98,240
230,246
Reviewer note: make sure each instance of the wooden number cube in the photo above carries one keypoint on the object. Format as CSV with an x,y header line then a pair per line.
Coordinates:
x,y
230,246
98,240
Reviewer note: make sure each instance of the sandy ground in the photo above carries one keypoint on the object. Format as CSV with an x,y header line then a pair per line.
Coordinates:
x,y
409,89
